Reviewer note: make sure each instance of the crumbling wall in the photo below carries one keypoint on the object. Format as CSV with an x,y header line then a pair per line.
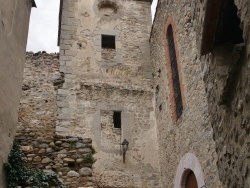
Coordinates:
x,y
71,157
227,85
41,80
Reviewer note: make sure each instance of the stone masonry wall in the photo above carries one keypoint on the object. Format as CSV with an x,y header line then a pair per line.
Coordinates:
x,y
192,132
99,82
226,75
216,88
38,102
71,157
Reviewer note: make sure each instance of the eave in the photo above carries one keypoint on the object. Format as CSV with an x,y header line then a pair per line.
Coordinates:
x,y
210,26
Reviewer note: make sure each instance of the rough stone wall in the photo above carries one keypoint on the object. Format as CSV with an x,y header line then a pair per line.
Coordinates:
x,y
70,157
227,84
110,136
94,88
38,108
108,56
192,132
14,22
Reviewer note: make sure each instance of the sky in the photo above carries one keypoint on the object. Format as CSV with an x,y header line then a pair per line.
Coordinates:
x,y
43,29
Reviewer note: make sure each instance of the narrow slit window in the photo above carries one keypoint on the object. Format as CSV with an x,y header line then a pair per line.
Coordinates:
x,y
175,73
117,119
108,42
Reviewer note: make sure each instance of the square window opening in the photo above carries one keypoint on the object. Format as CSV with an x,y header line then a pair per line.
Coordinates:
x,y
108,42
117,119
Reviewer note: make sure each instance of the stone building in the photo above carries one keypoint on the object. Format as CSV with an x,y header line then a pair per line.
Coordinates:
x,y
14,22
177,90
108,90
200,57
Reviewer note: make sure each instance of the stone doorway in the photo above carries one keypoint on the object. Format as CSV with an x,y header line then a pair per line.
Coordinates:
x,y
191,181
189,173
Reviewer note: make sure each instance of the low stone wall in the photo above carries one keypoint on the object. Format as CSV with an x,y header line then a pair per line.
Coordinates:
x,y
70,157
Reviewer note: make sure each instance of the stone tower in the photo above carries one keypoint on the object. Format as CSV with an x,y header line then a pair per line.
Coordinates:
x,y
107,94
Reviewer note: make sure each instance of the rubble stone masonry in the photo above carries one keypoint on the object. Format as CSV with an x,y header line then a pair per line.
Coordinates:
x,y
69,156
214,125
41,80
227,84
100,81
102,93
192,132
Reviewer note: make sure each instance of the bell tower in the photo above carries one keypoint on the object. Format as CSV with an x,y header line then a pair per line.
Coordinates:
x,y
107,94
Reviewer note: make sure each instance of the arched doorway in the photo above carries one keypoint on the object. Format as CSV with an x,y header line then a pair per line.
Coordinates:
x,y
191,181
189,173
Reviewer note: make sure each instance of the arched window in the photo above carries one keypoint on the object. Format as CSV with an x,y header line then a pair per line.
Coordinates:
x,y
175,79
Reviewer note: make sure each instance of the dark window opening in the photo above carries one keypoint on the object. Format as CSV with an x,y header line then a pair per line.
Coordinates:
x,y
175,73
228,28
117,120
108,41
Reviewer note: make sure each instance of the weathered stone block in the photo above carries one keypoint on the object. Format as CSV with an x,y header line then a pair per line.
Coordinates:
x,y
46,160
84,150
85,171
72,174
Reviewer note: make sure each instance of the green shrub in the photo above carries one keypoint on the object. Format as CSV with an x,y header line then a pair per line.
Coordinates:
x,y
93,151
88,158
19,174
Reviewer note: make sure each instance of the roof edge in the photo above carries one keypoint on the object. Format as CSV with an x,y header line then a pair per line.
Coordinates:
x,y
59,22
33,3
211,20
152,27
